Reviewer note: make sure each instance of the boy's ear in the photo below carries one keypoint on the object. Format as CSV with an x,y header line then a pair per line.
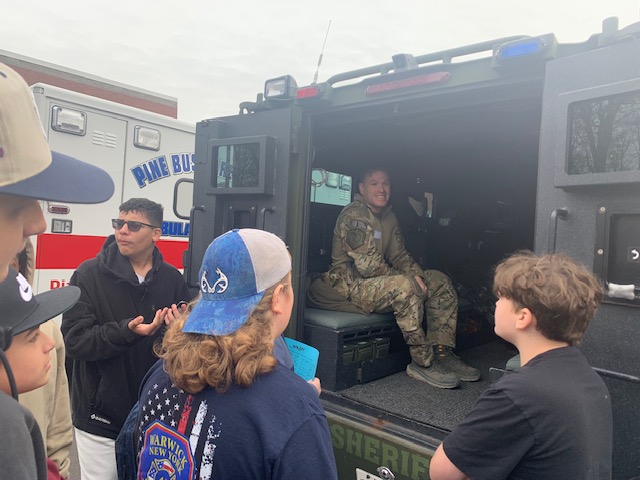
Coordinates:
x,y
524,318
157,233
276,300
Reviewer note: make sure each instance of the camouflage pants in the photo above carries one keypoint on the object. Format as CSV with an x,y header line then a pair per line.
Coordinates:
x,y
402,295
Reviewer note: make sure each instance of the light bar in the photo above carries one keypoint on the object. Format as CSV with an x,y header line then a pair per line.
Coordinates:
x,y
147,138
68,121
281,87
429,78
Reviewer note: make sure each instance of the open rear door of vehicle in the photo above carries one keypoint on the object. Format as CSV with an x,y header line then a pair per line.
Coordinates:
x,y
241,181
589,207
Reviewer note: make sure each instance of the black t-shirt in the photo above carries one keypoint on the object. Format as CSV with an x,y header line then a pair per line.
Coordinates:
x,y
275,429
551,419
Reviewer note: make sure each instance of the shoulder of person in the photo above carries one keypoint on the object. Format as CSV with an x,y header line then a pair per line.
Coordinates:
x,y
358,216
88,264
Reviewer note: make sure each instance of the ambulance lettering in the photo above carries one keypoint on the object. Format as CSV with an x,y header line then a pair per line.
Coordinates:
x,y
160,167
57,283
175,229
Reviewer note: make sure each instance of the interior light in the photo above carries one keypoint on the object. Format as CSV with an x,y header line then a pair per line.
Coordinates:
x,y
147,138
68,120
281,87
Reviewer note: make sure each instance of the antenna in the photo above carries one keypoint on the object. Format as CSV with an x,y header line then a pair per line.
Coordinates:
x,y
315,76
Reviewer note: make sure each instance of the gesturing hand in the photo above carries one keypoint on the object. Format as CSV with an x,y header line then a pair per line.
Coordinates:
x,y
174,312
145,329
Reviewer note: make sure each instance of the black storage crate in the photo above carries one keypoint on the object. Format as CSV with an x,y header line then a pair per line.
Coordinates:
x,y
354,348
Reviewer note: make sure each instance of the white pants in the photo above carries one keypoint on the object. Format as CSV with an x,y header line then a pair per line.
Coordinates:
x,y
97,456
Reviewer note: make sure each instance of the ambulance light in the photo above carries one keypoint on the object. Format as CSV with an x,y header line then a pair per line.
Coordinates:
x,y
429,78
68,120
147,138
58,209
281,87
312,91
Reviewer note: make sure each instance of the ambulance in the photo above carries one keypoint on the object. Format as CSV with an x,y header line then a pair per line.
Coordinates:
x,y
513,143
145,153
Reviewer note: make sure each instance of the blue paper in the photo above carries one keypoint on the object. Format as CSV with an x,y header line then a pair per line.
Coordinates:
x,y
305,358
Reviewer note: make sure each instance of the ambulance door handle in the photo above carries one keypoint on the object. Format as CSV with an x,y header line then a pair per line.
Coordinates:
x,y
263,213
186,255
553,227
176,188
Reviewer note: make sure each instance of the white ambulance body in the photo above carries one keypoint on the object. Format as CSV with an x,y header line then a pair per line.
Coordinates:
x,y
145,153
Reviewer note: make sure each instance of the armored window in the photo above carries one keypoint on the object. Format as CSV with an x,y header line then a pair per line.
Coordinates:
x,y
242,165
604,135
237,165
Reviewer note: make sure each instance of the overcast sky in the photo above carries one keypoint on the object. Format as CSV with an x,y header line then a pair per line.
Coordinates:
x,y
213,55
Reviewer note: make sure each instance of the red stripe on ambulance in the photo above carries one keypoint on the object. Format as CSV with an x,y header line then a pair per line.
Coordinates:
x,y
68,251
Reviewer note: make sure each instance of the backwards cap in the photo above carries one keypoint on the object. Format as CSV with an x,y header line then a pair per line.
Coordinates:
x,y
28,167
237,268
22,310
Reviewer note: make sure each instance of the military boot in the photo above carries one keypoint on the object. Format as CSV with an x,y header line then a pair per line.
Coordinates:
x,y
420,353
434,375
449,361
422,366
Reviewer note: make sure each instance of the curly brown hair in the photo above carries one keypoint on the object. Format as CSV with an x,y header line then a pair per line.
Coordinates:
x,y
195,361
561,294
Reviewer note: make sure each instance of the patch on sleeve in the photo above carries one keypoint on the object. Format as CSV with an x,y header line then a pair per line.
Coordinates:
x,y
165,454
356,238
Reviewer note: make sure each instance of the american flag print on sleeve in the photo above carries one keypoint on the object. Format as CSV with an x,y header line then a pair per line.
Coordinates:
x,y
177,433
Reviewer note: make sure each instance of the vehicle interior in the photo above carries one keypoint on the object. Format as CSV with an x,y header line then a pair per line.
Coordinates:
x,y
463,186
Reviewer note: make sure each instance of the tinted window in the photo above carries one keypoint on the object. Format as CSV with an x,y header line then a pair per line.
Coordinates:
x,y
604,135
237,165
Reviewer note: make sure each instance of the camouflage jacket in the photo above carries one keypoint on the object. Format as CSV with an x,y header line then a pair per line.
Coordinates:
x,y
366,245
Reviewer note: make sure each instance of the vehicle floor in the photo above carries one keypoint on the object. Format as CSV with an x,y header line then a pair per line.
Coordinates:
x,y
416,401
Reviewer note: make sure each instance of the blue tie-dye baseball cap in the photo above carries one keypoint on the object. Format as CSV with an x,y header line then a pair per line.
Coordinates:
x,y
237,268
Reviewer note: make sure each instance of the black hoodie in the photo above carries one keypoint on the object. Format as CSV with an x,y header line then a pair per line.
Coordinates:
x,y
107,361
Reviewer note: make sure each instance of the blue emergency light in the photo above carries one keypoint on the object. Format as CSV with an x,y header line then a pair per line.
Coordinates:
x,y
520,49
533,48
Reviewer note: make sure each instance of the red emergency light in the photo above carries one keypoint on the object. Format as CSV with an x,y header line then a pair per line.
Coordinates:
x,y
312,91
426,79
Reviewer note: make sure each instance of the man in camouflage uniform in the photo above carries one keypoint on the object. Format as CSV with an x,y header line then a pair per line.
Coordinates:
x,y
371,267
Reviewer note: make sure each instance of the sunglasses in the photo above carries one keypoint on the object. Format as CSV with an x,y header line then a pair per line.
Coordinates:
x,y
133,226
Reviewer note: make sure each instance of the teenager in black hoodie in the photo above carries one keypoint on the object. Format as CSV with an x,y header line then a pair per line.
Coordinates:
x,y
127,291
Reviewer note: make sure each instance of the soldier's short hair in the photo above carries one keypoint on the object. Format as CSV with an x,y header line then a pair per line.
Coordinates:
x,y
562,294
152,210
371,169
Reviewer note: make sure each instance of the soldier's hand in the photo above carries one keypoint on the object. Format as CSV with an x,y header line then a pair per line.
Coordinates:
x,y
145,329
422,285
